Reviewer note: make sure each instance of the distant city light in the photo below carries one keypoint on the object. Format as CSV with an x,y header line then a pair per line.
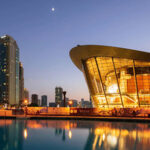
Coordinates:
x,y
53,9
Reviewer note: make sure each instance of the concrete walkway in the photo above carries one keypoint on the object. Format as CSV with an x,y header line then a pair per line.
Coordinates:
x,y
94,118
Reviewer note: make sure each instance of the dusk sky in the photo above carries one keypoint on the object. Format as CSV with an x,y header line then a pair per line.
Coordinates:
x,y
45,37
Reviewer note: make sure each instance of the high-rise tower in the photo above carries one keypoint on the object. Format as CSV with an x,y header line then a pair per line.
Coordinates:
x,y
44,100
26,94
9,70
34,98
21,83
58,95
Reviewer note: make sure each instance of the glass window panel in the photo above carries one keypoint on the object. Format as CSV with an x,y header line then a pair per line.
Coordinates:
x,y
114,99
126,81
109,80
142,70
94,75
94,82
99,100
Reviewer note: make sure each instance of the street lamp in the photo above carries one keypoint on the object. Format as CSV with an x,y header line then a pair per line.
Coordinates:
x,y
70,103
25,103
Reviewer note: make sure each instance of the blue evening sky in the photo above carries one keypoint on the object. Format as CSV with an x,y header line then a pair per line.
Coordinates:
x,y
45,37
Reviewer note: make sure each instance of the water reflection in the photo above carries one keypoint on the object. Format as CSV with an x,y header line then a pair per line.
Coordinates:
x,y
11,137
25,133
70,134
84,135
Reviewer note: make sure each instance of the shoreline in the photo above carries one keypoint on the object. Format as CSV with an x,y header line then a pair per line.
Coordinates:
x,y
88,118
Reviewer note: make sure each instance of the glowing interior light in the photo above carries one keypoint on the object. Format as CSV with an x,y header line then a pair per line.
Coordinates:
x,y
70,134
25,133
113,88
135,101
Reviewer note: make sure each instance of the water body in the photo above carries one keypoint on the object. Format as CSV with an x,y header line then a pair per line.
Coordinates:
x,y
73,135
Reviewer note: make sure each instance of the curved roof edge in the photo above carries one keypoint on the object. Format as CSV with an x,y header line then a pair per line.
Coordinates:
x,y
7,37
83,52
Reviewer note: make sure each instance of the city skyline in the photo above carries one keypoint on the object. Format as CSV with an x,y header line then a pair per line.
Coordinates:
x,y
45,37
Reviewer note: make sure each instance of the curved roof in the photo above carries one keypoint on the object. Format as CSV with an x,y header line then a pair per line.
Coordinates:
x,y
84,52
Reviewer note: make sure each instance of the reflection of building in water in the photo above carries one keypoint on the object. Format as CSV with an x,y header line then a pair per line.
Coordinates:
x,y
116,77
102,135
58,131
122,136
11,136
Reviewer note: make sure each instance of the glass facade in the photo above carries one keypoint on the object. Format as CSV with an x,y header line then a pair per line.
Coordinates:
x,y
3,73
9,70
118,82
17,75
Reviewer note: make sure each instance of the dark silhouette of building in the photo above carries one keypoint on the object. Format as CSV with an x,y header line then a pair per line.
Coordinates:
x,y
9,70
34,98
52,104
44,100
21,83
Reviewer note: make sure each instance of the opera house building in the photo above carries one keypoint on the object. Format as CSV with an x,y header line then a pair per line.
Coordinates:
x,y
116,77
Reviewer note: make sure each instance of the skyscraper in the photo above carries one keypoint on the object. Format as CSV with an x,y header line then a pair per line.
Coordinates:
x,y
34,99
21,83
26,94
9,70
44,100
39,102
58,95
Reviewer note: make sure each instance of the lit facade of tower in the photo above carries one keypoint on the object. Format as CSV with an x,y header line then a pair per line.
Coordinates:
x,y
9,70
58,95
21,83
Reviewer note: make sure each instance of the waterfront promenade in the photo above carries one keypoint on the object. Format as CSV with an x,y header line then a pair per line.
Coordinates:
x,y
75,114
94,118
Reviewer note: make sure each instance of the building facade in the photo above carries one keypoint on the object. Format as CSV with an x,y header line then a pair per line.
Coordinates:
x,y
44,100
52,104
35,100
21,83
26,94
116,77
39,102
58,96
9,70
85,103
